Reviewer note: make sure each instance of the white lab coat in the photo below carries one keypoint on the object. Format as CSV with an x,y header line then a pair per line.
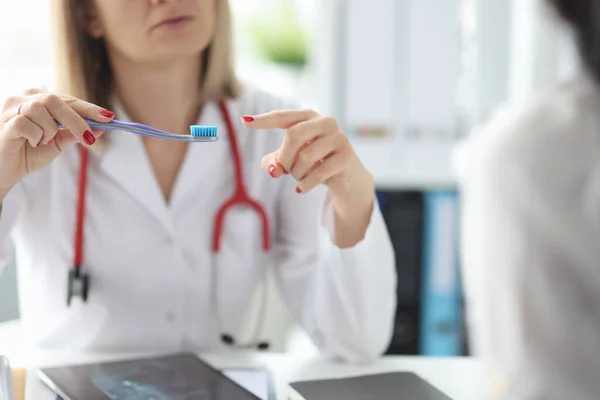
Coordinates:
x,y
149,261
531,245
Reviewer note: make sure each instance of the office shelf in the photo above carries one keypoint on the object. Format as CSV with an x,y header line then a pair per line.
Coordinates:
x,y
408,164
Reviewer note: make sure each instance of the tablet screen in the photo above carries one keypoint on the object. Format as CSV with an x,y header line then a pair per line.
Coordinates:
x,y
174,377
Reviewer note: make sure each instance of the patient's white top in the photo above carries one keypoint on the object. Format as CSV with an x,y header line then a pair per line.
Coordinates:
x,y
531,244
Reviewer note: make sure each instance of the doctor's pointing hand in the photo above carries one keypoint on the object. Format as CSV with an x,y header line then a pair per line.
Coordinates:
x,y
315,151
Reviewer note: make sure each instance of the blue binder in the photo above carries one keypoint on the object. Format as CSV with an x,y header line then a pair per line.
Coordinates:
x,y
441,292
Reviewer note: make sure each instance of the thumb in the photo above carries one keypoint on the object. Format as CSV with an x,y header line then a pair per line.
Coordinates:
x,y
65,139
269,163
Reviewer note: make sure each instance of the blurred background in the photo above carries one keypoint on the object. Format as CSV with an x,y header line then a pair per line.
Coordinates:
x,y
408,81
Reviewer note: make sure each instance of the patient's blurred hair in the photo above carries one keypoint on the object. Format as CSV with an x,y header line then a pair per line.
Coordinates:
x,y
584,18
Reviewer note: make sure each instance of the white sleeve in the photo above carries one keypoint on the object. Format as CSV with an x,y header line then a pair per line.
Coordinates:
x,y
532,283
12,207
344,298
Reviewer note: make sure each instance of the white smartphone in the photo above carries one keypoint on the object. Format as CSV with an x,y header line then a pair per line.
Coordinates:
x,y
6,382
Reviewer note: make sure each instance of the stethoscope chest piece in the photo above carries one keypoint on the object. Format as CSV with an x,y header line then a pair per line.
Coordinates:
x,y
78,285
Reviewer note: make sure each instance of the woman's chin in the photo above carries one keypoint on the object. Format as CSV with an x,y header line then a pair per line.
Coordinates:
x,y
175,52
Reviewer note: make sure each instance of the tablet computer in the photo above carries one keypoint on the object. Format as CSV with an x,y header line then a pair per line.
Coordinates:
x,y
181,376
383,386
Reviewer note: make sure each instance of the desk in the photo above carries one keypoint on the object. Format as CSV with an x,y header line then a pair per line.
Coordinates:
x,y
460,378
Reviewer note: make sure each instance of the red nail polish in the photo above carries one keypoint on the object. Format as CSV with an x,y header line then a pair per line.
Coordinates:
x,y
89,138
298,190
272,170
248,118
107,113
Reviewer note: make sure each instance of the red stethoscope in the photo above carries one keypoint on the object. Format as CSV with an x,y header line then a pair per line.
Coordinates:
x,y
79,282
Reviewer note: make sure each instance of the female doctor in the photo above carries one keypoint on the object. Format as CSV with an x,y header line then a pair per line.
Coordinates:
x,y
116,235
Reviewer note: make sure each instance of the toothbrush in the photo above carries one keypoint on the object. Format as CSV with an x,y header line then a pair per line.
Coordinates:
x,y
198,133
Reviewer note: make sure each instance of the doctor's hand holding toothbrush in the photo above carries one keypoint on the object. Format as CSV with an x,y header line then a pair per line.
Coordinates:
x,y
30,138
315,151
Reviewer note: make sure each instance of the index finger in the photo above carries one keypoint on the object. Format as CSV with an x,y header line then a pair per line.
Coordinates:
x,y
278,119
88,110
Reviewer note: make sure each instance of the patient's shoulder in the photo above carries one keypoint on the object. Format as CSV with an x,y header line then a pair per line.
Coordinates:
x,y
553,139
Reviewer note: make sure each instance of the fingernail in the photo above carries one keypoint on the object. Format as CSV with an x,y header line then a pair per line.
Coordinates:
x,y
89,138
285,171
248,118
40,142
107,113
298,190
272,170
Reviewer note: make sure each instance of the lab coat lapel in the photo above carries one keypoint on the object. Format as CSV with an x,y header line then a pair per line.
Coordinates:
x,y
126,163
207,166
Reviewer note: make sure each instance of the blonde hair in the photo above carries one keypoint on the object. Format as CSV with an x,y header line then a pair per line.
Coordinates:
x,y
82,65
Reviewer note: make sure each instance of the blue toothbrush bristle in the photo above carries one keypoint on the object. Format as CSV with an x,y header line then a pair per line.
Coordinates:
x,y
203,131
